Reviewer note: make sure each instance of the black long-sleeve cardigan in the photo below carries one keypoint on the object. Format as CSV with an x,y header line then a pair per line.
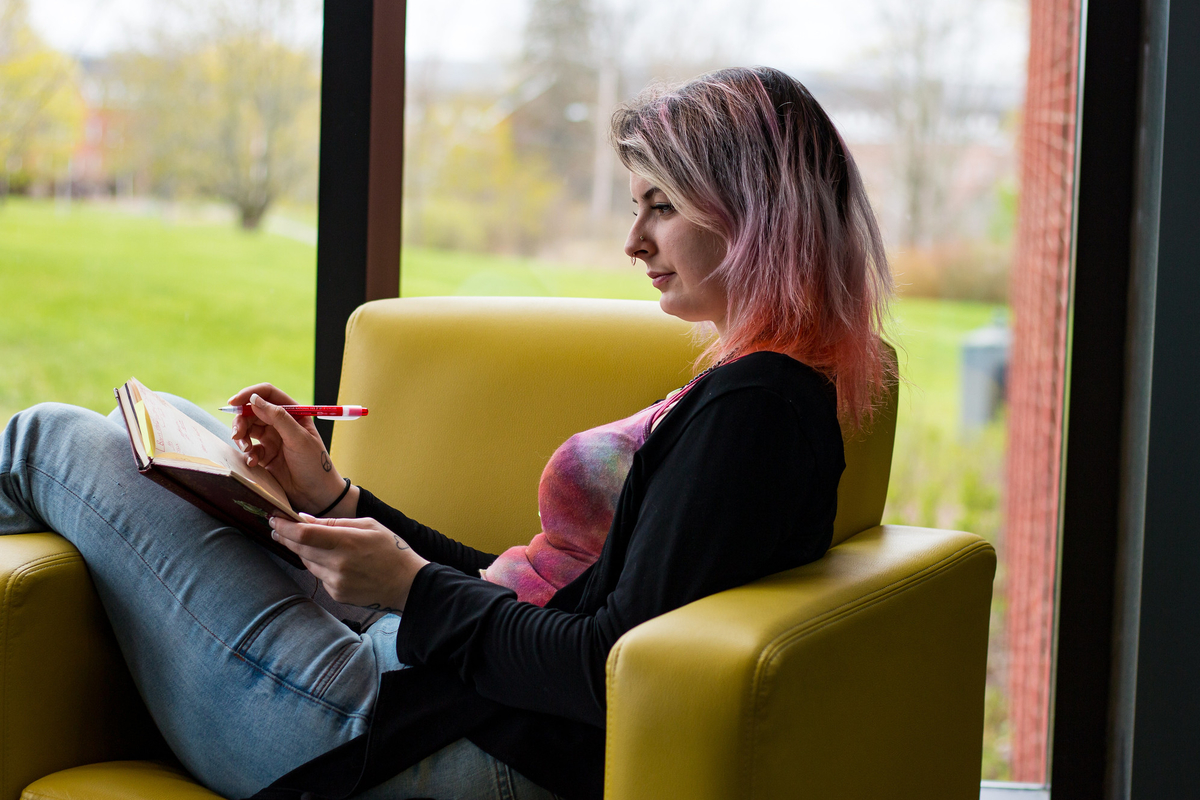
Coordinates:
x,y
737,482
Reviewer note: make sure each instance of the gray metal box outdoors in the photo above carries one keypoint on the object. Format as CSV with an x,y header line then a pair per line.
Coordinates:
x,y
985,353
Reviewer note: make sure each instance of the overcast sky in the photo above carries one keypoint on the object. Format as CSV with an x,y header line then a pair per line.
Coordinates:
x,y
793,34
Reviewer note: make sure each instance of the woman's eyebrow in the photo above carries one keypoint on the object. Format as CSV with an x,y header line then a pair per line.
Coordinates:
x,y
646,195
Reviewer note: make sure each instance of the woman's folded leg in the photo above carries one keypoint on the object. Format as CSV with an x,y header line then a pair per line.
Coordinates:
x,y
245,676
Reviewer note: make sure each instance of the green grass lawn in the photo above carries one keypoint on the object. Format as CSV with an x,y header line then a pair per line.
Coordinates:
x,y
928,334
90,296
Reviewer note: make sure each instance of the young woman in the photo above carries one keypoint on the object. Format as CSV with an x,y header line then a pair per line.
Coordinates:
x,y
750,217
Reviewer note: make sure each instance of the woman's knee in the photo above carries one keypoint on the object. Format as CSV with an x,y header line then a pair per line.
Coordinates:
x,y
54,432
56,419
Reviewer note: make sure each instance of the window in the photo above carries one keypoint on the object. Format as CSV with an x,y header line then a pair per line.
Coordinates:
x,y
158,174
511,188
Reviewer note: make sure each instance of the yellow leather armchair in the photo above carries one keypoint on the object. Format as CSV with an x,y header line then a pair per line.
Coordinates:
x,y
859,676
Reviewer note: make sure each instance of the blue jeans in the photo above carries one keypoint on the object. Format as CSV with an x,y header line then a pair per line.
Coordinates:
x,y
245,674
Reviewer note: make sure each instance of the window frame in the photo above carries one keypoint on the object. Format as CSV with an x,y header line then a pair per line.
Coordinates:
x,y
361,174
1128,486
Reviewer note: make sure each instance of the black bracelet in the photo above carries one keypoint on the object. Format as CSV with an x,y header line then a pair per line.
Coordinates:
x,y
329,507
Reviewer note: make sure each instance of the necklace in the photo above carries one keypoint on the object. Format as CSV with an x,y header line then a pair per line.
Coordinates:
x,y
677,395
704,372
726,360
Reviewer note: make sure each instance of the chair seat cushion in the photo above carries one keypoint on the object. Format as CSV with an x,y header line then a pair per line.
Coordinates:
x,y
118,780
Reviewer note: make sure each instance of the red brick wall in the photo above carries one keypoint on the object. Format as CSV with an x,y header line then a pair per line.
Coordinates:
x,y
1038,293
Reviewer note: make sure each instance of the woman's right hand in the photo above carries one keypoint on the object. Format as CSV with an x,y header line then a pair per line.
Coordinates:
x,y
289,448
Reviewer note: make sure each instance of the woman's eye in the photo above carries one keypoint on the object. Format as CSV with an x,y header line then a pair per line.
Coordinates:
x,y
663,208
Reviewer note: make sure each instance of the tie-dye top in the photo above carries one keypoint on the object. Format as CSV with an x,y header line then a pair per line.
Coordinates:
x,y
577,497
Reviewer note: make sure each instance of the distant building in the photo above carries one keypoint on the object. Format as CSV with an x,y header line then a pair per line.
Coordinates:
x,y
969,152
101,163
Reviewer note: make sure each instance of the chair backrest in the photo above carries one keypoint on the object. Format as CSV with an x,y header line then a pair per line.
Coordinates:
x,y
469,397
862,491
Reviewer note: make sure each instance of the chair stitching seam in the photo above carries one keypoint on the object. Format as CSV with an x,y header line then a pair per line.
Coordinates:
x,y
758,686
885,591
761,681
851,608
253,664
611,682
5,622
11,588
749,728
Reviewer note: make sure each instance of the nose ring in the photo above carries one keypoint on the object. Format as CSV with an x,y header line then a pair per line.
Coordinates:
x,y
642,238
633,261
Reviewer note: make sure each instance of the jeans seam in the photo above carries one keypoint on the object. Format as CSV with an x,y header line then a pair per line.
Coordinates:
x,y
24,466
253,664
335,668
503,780
248,641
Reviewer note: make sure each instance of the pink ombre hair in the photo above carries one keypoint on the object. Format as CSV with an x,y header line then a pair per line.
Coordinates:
x,y
750,155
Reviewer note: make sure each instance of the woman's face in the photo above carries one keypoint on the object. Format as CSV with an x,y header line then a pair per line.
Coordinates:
x,y
679,257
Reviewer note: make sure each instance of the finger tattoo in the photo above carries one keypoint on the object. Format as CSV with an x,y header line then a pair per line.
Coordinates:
x,y
326,464
400,545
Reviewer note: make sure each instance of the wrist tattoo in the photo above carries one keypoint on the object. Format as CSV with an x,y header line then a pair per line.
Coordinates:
x,y
326,464
400,545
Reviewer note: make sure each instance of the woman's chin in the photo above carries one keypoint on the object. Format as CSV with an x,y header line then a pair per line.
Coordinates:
x,y
664,302
668,304
691,313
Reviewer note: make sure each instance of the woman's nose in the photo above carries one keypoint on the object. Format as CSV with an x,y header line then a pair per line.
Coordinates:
x,y
635,243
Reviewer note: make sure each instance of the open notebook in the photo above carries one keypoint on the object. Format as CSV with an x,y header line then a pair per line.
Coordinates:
x,y
181,455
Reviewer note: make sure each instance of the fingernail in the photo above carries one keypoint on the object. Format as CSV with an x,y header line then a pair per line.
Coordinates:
x,y
255,399
271,522
275,536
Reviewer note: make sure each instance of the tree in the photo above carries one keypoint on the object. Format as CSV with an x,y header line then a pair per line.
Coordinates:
x,y
558,57
488,197
467,186
927,53
228,109
41,112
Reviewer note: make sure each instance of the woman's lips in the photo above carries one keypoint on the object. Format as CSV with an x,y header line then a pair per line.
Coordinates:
x,y
659,279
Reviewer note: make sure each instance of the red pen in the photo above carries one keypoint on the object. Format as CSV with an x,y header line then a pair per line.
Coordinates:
x,y
320,412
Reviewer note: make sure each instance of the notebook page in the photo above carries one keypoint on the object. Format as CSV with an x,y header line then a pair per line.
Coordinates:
x,y
175,432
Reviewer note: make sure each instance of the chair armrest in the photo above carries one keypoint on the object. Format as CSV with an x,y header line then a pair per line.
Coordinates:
x,y
858,676
66,697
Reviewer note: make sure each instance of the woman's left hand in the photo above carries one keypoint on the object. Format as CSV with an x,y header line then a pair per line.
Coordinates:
x,y
360,562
